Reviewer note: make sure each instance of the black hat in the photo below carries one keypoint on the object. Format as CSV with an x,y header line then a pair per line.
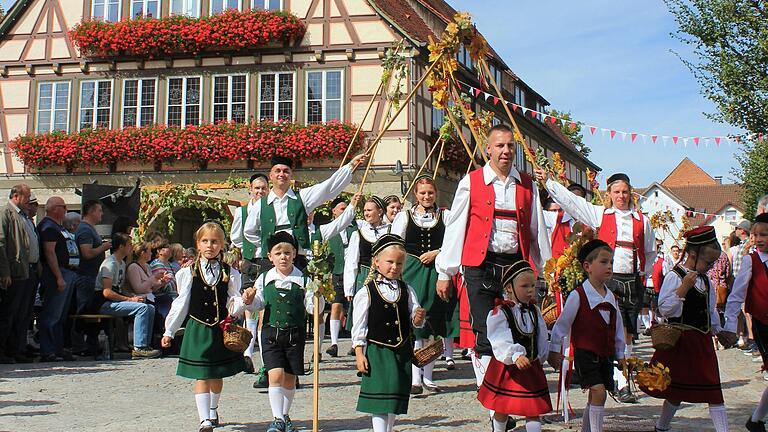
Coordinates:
x,y
700,236
761,218
618,177
378,201
259,176
590,247
282,160
573,187
385,241
389,197
514,271
281,237
338,200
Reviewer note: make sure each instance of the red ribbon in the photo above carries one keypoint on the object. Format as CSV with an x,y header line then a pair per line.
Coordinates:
x,y
226,323
500,302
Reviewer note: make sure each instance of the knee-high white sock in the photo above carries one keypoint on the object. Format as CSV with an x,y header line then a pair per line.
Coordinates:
x,y
415,370
260,344
618,375
667,412
320,339
379,422
253,327
762,408
719,417
585,420
499,426
203,402
646,320
390,422
214,405
628,350
532,426
287,400
428,369
448,351
276,401
596,414
335,329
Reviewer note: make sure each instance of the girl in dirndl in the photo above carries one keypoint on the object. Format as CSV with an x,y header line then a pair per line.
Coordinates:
x,y
205,290
514,382
357,258
422,227
384,310
687,299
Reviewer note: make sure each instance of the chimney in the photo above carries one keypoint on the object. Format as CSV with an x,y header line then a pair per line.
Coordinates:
x,y
719,179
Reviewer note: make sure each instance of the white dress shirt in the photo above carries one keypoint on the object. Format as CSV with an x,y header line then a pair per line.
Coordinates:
x,y
503,235
550,220
564,322
592,215
389,290
236,234
419,217
739,291
671,306
285,283
180,305
312,197
338,225
352,253
505,349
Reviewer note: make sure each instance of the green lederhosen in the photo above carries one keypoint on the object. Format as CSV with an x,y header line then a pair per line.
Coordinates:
x,y
362,273
386,388
203,355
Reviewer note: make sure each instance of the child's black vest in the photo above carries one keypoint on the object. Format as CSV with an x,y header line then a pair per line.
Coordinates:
x,y
696,305
208,303
527,340
388,322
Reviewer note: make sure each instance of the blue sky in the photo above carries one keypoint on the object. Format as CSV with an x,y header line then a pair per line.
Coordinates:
x,y
6,4
611,64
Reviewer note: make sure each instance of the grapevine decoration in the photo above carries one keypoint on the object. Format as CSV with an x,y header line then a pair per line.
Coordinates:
x,y
662,221
652,376
686,221
595,186
564,273
395,71
319,267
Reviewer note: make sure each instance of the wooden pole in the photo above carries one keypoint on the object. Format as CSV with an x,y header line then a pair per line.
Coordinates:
x,y
478,141
456,126
439,159
316,364
426,161
403,104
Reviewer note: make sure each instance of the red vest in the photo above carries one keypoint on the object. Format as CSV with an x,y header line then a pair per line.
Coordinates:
x,y
756,303
560,235
608,233
658,273
589,330
481,214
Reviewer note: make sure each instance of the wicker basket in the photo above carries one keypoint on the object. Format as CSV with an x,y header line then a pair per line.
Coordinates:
x,y
237,338
549,311
429,353
665,336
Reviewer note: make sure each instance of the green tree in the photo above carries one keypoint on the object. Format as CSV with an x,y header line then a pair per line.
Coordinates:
x,y
574,134
753,161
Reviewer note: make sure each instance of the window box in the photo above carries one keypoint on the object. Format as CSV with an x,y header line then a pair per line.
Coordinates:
x,y
97,168
228,165
137,166
180,165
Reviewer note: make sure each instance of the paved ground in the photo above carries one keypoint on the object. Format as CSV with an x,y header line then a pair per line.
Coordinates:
x,y
126,395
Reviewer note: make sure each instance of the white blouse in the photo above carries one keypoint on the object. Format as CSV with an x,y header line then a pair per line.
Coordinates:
x,y
180,306
390,290
505,349
352,253
671,306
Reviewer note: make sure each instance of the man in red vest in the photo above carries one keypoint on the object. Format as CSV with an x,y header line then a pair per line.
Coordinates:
x,y
496,220
630,235
559,223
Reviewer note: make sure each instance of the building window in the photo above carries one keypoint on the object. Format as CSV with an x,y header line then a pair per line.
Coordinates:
x,y
219,6
145,8
519,96
106,10
272,5
53,107
186,7
183,101
540,110
438,118
95,104
276,96
519,158
138,102
464,58
229,98
731,215
324,96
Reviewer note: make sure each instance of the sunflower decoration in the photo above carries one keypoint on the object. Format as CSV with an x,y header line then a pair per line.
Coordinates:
x,y
319,267
653,376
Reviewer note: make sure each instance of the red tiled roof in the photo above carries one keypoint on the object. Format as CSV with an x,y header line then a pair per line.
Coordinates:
x,y
708,198
402,15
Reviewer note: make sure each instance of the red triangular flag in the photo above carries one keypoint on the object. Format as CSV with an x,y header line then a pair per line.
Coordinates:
x,y
573,125
717,141
696,140
592,129
613,134
495,100
534,114
654,138
737,138
633,136
552,120
477,92
674,140
515,107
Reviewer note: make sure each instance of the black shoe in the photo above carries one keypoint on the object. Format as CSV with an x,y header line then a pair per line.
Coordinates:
x,y
417,390
757,426
647,332
333,350
298,386
23,359
351,352
67,355
50,358
4,359
625,396
206,426
214,421
511,424
450,364
248,365
465,354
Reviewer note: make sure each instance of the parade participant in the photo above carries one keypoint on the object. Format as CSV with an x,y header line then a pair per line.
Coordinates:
x,y
284,209
384,311
394,205
205,290
630,235
515,383
687,299
590,316
422,228
496,220
751,288
559,223
281,292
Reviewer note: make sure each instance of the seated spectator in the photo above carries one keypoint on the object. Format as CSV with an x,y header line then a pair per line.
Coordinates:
x,y
141,280
177,254
162,265
109,300
190,254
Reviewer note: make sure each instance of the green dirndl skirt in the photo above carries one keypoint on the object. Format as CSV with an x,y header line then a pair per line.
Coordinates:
x,y
386,388
362,274
442,317
203,355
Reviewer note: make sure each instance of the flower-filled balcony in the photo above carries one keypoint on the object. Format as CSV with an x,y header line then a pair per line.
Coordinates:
x,y
210,146
152,38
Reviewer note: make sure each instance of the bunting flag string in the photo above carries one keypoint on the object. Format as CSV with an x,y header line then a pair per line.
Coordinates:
x,y
593,130
681,212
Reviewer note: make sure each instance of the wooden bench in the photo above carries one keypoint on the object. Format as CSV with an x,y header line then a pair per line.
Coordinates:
x,y
108,323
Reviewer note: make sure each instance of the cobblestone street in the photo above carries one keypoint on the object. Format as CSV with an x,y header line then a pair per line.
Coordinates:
x,y
125,395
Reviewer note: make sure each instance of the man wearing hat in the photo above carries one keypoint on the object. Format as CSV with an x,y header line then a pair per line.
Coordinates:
x,y
496,220
629,234
258,186
284,209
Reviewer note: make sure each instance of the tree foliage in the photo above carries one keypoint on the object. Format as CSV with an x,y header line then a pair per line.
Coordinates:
x,y
753,161
574,134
